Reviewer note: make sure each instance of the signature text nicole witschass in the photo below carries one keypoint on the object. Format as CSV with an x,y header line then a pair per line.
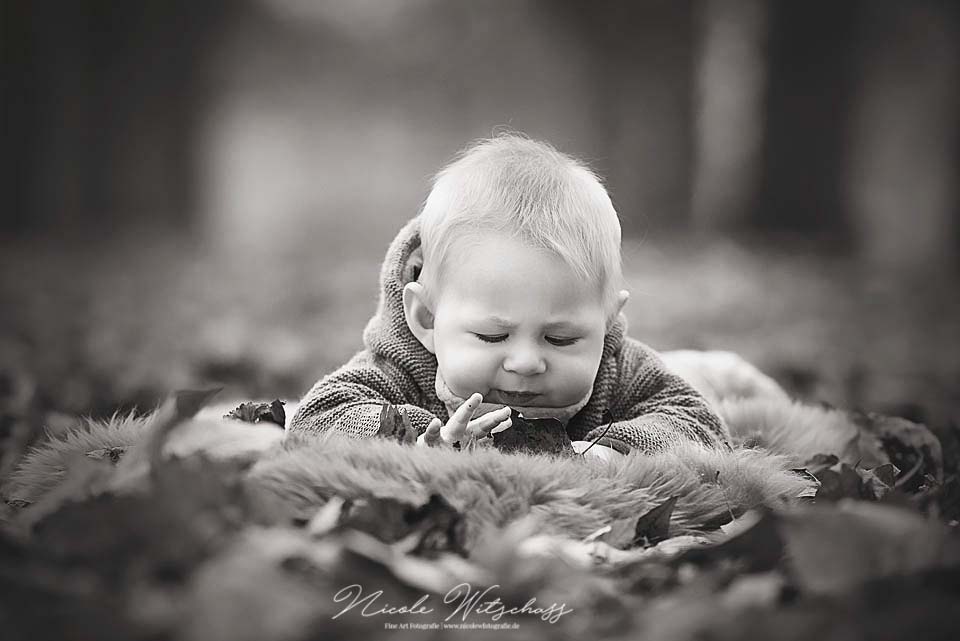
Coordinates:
x,y
462,599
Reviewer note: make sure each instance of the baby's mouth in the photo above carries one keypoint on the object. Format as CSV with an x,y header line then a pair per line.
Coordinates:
x,y
512,398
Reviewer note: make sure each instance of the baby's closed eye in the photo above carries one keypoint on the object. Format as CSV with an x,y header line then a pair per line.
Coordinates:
x,y
486,338
553,340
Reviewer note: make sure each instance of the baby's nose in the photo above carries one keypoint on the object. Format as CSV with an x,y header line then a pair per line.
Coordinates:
x,y
525,362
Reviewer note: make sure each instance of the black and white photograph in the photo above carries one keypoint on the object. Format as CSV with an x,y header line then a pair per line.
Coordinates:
x,y
480,319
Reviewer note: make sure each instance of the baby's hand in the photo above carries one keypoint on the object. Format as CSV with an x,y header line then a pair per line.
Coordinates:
x,y
462,426
599,451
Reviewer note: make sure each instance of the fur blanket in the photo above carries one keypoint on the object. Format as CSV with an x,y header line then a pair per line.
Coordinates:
x,y
569,496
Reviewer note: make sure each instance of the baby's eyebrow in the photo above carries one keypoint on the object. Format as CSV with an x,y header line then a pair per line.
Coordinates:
x,y
562,325
502,322
506,324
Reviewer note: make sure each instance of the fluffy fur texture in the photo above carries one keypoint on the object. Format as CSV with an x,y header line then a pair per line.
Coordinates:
x,y
719,375
45,465
790,428
571,496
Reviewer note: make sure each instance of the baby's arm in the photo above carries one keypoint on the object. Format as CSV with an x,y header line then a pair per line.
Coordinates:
x,y
350,399
655,408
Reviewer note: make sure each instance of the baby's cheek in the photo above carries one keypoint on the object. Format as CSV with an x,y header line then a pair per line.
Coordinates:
x,y
466,370
578,373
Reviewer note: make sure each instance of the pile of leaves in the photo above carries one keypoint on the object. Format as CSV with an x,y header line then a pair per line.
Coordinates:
x,y
136,545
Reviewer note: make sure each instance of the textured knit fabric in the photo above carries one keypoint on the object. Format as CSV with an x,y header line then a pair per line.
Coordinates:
x,y
651,407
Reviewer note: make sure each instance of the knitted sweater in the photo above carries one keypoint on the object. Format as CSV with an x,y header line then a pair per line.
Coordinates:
x,y
651,407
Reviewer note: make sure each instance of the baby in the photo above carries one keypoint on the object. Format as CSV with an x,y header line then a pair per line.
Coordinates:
x,y
505,292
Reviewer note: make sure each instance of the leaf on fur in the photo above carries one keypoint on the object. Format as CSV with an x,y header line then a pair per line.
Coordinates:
x,y
644,531
843,481
879,481
818,461
259,413
181,406
395,425
442,526
543,435
886,474
907,444
189,402
433,527
756,545
654,526
111,454
811,491
620,535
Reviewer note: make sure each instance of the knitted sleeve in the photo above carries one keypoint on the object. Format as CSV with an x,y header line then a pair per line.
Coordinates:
x,y
654,408
349,400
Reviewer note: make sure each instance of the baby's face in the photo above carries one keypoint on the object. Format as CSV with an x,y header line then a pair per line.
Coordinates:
x,y
516,324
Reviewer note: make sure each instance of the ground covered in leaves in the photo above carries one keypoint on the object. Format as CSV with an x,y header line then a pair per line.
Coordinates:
x,y
146,546
187,548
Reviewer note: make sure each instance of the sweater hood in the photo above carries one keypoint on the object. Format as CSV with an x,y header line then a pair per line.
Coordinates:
x,y
388,337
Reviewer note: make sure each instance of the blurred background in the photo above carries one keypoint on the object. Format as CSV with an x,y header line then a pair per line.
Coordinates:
x,y
202,192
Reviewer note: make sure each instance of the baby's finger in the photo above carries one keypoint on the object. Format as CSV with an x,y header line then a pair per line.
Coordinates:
x,y
488,433
503,426
455,428
486,441
489,420
480,427
431,437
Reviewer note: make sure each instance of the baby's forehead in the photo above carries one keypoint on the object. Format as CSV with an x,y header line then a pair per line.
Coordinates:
x,y
482,287
474,247
501,268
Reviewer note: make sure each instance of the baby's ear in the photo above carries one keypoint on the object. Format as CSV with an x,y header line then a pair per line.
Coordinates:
x,y
418,314
622,297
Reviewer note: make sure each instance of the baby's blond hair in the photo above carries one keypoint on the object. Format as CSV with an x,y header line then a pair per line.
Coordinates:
x,y
525,188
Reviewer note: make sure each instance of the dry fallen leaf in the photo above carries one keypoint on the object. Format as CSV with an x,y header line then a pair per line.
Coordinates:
x,y
395,425
546,435
253,412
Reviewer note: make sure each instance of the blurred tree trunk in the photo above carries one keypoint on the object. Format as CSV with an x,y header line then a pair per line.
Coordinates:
x,y
642,56
904,141
802,190
730,78
103,100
